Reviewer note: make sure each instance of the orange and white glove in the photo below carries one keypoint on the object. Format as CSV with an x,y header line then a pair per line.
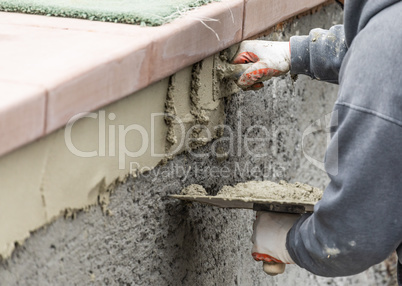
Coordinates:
x,y
270,59
269,237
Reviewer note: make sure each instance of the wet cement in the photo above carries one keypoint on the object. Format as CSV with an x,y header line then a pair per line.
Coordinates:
x,y
283,191
194,190
255,191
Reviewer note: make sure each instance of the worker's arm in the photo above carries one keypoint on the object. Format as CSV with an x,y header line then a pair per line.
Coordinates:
x,y
358,221
319,55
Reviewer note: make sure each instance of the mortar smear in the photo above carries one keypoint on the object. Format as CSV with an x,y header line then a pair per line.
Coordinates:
x,y
194,190
297,192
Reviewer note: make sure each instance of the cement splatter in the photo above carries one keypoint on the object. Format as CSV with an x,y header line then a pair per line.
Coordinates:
x,y
170,113
331,250
200,115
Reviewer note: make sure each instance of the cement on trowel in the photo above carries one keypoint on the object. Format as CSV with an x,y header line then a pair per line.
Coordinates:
x,y
194,190
296,192
143,12
244,195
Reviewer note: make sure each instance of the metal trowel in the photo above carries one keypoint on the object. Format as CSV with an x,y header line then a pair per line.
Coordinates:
x,y
257,204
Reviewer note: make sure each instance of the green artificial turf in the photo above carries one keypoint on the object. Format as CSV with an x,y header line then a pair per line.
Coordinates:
x,y
141,12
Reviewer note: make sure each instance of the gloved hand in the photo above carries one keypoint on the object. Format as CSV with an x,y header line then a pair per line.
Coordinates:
x,y
269,237
269,58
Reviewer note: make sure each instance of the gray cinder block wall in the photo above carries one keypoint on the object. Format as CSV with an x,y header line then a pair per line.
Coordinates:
x,y
151,239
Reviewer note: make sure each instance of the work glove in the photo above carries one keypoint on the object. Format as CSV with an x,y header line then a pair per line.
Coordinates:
x,y
269,58
269,240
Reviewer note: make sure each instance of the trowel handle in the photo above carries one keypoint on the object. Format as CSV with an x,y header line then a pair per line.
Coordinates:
x,y
273,268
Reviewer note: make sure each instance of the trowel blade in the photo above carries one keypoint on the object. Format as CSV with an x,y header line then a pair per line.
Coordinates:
x,y
250,203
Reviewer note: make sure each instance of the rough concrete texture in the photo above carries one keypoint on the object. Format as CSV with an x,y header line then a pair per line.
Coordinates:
x,y
153,240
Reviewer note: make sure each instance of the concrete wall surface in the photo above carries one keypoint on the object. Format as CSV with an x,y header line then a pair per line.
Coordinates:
x,y
150,239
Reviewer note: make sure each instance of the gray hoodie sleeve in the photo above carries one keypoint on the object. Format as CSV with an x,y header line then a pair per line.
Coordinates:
x,y
320,54
358,222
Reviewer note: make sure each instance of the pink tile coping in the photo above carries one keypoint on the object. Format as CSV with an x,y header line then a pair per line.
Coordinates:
x,y
22,114
67,66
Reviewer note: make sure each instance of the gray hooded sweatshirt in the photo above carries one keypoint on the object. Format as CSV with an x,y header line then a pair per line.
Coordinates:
x,y
358,222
